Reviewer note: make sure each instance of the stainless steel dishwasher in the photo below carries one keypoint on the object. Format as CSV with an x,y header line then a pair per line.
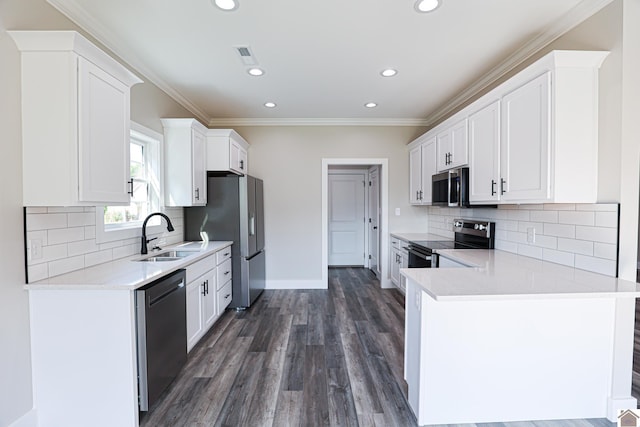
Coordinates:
x,y
162,335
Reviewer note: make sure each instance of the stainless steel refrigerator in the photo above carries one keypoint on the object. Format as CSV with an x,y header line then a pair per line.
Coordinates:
x,y
234,211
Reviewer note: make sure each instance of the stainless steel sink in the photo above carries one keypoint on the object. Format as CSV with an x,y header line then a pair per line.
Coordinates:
x,y
167,256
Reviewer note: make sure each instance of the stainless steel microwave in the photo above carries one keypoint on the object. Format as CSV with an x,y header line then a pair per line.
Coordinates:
x,y
451,188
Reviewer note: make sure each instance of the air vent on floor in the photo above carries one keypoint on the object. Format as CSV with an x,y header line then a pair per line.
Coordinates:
x,y
246,55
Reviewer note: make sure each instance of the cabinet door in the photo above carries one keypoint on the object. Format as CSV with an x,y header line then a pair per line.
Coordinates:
x,y
428,170
242,165
195,324
525,147
103,136
484,147
415,175
443,141
199,190
396,261
210,304
237,158
459,145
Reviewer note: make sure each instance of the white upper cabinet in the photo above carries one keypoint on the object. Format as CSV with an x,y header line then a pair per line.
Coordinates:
x,y
227,151
452,146
525,148
484,154
75,121
185,161
422,166
532,139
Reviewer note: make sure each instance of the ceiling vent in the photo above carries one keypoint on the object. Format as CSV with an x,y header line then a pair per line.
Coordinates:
x,y
246,55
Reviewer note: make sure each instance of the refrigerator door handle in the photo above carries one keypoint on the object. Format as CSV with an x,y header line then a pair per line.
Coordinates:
x,y
252,225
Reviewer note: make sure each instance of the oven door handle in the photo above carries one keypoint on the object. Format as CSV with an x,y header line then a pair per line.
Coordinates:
x,y
419,255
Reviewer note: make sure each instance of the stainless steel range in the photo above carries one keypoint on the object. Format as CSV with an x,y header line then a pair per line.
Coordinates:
x,y
469,234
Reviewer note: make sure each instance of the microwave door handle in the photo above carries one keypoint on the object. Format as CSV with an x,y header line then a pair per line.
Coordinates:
x,y
455,202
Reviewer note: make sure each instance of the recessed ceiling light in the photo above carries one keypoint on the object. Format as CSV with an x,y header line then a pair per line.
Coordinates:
x,y
226,5
255,71
371,105
427,5
270,104
389,72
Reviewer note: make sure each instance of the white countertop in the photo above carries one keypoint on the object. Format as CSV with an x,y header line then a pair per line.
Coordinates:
x,y
126,273
407,237
503,275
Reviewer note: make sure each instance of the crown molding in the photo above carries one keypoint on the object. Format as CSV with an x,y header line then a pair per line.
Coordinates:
x,y
315,122
568,21
78,15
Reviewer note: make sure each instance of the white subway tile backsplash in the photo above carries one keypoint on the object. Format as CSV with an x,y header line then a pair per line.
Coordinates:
x,y
68,236
559,230
58,209
582,247
597,265
577,217
504,245
98,257
579,235
560,207
65,235
46,221
518,215
607,219
543,241
605,250
530,251
37,272
597,234
559,257
544,216
82,219
66,265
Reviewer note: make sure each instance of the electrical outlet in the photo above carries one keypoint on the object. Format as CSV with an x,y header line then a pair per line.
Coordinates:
x,y
35,249
531,235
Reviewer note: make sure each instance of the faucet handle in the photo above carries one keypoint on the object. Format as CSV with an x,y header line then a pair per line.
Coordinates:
x,y
149,240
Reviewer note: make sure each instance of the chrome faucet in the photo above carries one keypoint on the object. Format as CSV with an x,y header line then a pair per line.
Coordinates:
x,y
144,241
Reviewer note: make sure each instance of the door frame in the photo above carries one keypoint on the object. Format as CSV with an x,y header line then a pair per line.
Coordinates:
x,y
370,214
385,282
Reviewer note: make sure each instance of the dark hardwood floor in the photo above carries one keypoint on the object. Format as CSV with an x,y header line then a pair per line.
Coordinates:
x,y
303,358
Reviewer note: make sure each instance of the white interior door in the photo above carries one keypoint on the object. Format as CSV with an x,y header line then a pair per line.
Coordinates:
x,y
346,219
374,219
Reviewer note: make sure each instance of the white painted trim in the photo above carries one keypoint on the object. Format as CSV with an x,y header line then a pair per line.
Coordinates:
x,y
30,419
615,405
384,211
317,122
112,42
295,284
571,19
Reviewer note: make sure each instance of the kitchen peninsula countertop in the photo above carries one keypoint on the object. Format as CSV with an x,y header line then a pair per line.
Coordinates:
x,y
499,275
127,273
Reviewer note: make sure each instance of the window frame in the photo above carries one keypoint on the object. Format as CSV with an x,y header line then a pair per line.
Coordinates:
x,y
134,229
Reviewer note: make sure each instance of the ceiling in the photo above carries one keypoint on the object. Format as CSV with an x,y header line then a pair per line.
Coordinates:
x,y
323,58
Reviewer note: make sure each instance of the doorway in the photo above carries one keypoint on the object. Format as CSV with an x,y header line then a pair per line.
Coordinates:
x,y
375,219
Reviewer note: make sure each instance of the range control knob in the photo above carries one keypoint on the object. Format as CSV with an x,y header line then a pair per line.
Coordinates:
x,y
476,226
482,227
457,224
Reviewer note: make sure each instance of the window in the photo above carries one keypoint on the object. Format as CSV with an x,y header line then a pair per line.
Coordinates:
x,y
121,222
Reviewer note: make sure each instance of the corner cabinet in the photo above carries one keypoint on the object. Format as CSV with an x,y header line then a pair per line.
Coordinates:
x,y
422,166
185,162
75,121
227,152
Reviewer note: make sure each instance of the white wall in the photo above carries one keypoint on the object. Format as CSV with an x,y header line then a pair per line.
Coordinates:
x,y
149,104
289,159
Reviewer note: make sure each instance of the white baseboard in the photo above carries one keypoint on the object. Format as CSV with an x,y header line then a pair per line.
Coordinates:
x,y
30,419
295,284
386,284
617,404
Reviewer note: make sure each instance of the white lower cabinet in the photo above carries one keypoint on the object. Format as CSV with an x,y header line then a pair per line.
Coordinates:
x,y
209,292
399,259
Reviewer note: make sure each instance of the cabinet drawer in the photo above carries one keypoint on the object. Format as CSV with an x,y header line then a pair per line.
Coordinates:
x,y
224,297
395,242
224,273
198,268
223,255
